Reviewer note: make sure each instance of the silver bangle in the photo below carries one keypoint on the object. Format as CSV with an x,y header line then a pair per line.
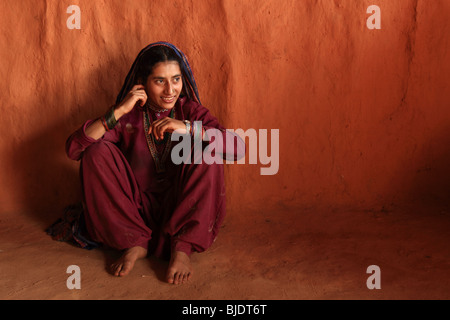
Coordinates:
x,y
188,126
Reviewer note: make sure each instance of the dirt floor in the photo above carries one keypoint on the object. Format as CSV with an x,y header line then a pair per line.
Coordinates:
x,y
288,254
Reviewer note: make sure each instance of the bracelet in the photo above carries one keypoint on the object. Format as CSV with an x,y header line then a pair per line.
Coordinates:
x,y
197,130
110,119
188,127
102,119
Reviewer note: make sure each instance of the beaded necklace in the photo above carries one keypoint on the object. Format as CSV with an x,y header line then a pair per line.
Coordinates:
x,y
157,109
158,158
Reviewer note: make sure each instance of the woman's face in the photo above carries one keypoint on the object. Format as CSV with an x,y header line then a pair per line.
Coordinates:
x,y
165,84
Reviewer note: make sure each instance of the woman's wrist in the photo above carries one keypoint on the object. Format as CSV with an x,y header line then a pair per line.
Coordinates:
x,y
194,129
118,112
188,127
109,120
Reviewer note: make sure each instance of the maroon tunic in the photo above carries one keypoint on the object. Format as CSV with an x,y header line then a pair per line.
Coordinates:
x,y
128,203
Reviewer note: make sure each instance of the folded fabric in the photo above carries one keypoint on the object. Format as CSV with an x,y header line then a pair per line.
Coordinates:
x,y
70,228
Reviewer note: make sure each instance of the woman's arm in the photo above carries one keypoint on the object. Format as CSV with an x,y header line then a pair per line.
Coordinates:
x,y
97,129
93,130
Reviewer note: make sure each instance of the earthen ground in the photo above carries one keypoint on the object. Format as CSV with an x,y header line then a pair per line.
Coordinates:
x,y
283,254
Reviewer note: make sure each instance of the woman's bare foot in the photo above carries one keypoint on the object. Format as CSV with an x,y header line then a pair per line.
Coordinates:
x,y
126,262
180,269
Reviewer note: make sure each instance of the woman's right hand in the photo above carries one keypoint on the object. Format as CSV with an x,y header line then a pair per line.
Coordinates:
x,y
136,94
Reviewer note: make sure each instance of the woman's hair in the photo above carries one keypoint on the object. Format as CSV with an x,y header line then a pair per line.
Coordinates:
x,y
150,58
147,59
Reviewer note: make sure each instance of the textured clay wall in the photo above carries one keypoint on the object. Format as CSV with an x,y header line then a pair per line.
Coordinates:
x,y
363,115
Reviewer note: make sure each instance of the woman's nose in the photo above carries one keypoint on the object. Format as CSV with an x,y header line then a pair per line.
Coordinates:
x,y
168,88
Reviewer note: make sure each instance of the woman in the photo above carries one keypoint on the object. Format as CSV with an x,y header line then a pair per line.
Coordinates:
x,y
136,199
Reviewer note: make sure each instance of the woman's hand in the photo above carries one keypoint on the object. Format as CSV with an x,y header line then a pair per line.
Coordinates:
x,y
136,94
159,127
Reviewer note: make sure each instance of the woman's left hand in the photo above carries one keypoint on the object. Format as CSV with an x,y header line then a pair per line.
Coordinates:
x,y
159,127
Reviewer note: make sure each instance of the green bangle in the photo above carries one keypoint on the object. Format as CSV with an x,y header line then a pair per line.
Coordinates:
x,y
110,119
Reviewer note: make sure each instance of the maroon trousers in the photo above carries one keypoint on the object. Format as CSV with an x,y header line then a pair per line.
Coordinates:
x,y
185,214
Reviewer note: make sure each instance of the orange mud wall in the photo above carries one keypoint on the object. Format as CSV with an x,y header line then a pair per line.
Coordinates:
x,y
363,115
